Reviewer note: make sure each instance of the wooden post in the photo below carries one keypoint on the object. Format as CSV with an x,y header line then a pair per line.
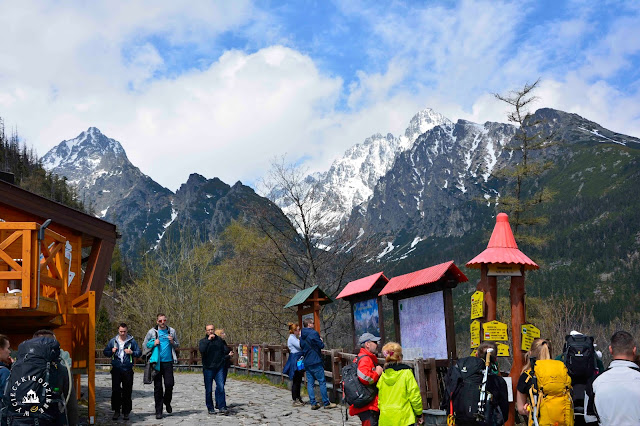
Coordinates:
x,y
28,285
396,320
517,294
418,371
490,288
432,379
353,326
335,373
381,320
449,323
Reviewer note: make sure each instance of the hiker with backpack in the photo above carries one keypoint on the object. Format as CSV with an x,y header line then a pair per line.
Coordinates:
x,y
544,388
616,392
48,398
583,364
312,345
475,393
122,349
359,385
399,398
161,342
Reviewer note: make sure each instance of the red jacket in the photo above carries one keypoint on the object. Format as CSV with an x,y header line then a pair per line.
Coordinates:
x,y
368,376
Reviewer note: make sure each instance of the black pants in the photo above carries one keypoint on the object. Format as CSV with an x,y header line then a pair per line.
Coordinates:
x,y
369,418
121,386
166,373
296,384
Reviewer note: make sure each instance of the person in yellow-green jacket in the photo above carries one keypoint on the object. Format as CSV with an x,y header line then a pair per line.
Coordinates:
x,y
399,397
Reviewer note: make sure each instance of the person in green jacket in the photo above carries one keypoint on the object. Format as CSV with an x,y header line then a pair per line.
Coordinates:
x,y
399,397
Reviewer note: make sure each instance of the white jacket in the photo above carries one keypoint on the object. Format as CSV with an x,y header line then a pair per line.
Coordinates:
x,y
617,394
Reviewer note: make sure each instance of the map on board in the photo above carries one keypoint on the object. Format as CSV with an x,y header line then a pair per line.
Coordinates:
x,y
365,317
422,328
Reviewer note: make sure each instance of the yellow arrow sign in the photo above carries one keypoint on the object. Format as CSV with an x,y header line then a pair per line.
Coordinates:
x,y
529,333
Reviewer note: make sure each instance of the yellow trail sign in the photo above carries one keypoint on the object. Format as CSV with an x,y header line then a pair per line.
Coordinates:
x,y
529,333
495,330
503,350
475,333
477,305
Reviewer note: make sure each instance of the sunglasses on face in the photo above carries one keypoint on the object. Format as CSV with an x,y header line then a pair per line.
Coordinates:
x,y
164,320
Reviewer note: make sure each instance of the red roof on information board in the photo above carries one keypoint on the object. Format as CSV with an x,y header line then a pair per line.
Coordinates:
x,y
362,285
422,277
502,247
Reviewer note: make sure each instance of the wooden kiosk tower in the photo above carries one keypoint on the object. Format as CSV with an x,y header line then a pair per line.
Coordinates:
x,y
309,301
54,262
503,258
366,306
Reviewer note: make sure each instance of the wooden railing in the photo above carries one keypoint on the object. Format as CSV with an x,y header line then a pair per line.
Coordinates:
x,y
272,359
22,256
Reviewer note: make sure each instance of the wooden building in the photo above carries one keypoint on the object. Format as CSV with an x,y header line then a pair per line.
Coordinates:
x,y
54,262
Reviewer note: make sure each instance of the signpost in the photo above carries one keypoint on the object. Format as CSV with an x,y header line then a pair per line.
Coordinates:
x,y
477,305
529,333
475,334
495,331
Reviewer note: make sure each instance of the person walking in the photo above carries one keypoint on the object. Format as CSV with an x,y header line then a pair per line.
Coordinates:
x,y
399,398
122,349
369,373
312,345
291,367
212,348
162,340
616,392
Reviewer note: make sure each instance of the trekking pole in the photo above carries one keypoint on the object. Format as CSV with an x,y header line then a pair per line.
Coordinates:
x,y
483,389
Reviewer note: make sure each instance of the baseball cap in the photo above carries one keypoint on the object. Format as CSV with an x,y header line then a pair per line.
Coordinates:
x,y
368,337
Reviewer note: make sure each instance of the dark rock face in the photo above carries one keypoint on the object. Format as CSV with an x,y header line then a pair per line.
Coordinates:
x,y
144,210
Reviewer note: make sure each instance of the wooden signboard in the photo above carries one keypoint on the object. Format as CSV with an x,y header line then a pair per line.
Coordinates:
x,y
504,270
243,358
255,357
475,333
529,333
495,331
477,305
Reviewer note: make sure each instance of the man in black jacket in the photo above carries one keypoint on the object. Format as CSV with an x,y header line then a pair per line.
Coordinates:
x,y
122,349
212,350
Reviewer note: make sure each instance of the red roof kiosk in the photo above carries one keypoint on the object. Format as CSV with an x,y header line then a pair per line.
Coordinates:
x,y
502,258
366,306
423,310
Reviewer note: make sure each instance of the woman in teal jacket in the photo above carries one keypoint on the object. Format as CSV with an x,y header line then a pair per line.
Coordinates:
x,y
399,397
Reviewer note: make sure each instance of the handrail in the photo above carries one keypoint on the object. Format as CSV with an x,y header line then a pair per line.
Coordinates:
x,y
273,358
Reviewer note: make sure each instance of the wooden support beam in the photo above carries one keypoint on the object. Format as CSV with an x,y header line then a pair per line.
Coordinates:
x,y
97,268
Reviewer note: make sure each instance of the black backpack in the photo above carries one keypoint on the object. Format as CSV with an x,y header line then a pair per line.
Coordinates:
x,y
354,392
463,384
34,390
580,357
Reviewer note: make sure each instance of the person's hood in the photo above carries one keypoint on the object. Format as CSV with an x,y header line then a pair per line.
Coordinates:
x,y
305,332
393,372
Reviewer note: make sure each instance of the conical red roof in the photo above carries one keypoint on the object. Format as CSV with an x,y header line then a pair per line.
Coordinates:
x,y
502,247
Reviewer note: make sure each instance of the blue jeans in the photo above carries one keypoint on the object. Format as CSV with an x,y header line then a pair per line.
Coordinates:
x,y
316,372
209,376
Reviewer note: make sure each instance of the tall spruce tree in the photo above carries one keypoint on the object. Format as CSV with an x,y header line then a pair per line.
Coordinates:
x,y
524,191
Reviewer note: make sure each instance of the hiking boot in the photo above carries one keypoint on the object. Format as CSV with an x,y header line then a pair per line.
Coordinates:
x,y
302,402
224,411
212,411
169,409
330,405
158,416
297,403
315,406
116,415
126,416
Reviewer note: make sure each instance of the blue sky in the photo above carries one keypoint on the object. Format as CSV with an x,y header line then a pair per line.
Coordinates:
x,y
221,88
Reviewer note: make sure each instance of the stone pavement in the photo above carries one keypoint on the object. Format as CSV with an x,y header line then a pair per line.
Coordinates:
x,y
250,404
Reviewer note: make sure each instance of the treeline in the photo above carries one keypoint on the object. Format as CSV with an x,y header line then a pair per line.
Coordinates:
x,y
22,161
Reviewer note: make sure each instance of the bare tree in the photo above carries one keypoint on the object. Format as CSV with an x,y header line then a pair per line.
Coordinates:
x,y
311,250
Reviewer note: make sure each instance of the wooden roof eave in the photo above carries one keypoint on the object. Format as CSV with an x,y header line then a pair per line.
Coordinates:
x,y
16,198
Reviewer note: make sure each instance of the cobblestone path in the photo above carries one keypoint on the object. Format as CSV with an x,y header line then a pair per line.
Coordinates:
x,y
250,404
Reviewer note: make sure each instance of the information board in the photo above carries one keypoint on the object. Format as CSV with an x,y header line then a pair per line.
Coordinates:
x,y
255,357
422,326
243,355
529,333
477,305
495,330
365,317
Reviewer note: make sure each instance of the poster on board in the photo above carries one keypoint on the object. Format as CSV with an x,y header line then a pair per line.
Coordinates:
x,y
255,357
423,332
365,317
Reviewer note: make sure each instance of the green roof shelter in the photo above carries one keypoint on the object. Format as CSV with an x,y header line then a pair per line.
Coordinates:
x,y
309,301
